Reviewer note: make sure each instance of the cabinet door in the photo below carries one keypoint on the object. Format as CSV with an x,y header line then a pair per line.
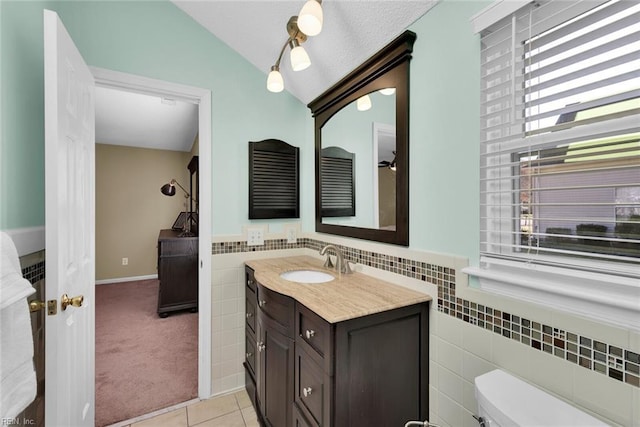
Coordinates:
x,y
381,373
275,370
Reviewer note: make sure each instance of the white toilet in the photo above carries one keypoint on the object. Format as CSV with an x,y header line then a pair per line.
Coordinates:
x,y
504,401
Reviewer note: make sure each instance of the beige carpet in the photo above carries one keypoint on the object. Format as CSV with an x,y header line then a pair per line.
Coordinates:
x,y
143,363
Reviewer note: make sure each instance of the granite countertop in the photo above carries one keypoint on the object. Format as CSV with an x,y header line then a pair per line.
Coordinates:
x,y
346,297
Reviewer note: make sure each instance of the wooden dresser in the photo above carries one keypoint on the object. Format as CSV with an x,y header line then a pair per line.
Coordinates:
x,y
177,272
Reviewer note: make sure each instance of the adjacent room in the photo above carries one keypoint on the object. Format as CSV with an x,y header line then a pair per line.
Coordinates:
x,y
383,213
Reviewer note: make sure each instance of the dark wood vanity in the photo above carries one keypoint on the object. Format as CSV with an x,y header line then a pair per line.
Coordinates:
x,y
177,272
302,370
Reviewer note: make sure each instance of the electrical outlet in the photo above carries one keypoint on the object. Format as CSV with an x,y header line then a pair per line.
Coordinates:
x,y
255,237
125,261
292,234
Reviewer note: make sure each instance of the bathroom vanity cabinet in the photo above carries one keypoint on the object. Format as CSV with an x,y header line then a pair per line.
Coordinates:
x,y
302,370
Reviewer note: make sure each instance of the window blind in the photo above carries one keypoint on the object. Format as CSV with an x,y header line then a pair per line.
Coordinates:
x,y
560,133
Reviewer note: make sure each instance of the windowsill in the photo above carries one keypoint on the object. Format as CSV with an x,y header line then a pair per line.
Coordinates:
x,y
606,298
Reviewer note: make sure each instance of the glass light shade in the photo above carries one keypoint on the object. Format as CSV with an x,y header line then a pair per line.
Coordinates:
x,y
275,83
363,103
388,91
310,18
299,58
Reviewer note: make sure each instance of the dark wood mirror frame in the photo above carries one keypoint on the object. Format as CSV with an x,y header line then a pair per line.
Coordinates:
x,y
387,68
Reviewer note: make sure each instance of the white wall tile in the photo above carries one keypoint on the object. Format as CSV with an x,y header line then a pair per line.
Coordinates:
x,y
469,397
610,399
450,329
592,329
433,401
477,340
511,355
450,357
433,373
636,407
473,366
450,384
552,373
450,411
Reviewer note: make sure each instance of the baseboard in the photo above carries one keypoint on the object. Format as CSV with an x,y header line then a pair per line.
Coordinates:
x,y
126,279
27,240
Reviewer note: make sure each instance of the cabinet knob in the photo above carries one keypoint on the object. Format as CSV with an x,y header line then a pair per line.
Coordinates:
x,y
309,333
249,315
248,355
261,346
262,303
307,391
249,282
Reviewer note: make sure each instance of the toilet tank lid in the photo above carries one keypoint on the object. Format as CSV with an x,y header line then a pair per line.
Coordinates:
x,y
511,401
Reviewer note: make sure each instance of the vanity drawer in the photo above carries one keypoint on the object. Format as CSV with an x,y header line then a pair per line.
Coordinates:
x,y
250,280
312,389
277,307
250,351
250,312
314,333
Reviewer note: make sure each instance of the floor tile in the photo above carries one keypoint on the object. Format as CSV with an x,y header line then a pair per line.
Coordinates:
x,y
211,408
177,418
250,417
243,399
233,419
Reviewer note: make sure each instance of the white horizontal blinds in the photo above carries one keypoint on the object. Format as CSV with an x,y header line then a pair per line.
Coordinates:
x,y
560,159
587,61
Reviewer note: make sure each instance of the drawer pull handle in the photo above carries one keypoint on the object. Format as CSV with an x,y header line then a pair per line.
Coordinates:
x,y
248,355
309,333
249,315
261,346
307,391
262,303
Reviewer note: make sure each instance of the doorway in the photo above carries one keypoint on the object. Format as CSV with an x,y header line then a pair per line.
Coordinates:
x,y
170,92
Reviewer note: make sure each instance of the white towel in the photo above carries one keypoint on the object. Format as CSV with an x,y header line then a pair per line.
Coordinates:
x,y
17,373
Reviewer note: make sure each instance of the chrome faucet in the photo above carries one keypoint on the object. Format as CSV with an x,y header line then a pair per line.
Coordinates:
x,y
343,264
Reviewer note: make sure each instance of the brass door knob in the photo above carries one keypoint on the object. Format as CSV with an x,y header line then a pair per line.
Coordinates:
x,y
65,301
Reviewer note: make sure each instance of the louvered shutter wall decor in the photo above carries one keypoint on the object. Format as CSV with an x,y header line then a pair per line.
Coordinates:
x,y
560,132
274,184
338,182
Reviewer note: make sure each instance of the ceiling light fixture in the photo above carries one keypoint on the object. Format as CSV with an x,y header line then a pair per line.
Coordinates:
x,y
298,55
310,18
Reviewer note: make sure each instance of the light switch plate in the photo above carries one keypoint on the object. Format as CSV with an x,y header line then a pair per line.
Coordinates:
x,y
255,236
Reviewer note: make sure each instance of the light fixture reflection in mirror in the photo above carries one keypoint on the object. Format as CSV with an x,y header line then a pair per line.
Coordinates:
x,y
364,103
388,91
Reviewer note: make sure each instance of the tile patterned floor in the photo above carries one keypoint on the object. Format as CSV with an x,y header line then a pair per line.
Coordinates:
x,y
231,410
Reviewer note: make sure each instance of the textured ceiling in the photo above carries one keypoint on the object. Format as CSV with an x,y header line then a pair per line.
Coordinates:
x,y
353,31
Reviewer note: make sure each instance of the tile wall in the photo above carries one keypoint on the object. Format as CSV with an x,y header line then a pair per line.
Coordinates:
x,y
598,372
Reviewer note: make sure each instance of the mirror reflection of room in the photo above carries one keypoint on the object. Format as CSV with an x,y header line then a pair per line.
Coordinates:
x,y
366,128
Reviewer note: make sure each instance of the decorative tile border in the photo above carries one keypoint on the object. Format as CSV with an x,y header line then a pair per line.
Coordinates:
x,y
615,362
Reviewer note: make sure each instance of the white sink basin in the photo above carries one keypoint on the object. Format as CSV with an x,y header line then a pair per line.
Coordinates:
x,y
307,276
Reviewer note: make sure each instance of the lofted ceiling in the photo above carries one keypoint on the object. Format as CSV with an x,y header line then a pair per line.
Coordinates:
x,y
353,30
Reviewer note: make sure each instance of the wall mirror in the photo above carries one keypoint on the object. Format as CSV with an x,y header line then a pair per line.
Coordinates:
x,y
367,115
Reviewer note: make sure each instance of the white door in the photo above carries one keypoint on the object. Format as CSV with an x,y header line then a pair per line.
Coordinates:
x,y
70,228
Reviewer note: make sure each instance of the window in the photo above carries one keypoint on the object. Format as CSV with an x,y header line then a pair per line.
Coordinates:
x,y
560,155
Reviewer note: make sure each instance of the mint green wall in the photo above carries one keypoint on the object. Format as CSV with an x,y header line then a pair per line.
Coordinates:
x,y
21,116
444,131
151,39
